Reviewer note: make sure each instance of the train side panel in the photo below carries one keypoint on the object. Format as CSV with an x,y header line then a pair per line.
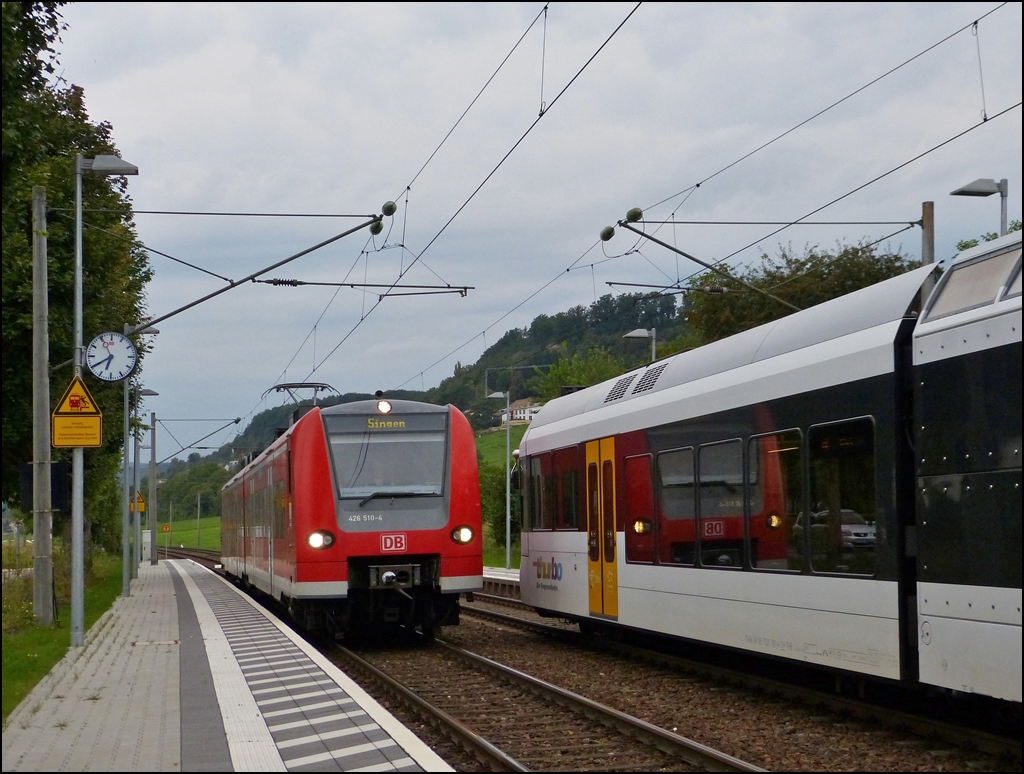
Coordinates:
x,y
757,503
462,565
967,399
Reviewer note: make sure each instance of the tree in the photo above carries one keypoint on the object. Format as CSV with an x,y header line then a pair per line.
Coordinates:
x,y
717,308
44,126
967,244
597,366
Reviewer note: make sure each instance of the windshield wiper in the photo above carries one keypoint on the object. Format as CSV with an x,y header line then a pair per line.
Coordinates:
x,y
393,495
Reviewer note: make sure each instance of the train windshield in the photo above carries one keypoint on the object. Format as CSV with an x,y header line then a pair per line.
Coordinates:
x,y
393,456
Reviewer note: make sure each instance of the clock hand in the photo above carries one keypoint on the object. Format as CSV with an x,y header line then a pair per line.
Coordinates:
x,y
106,362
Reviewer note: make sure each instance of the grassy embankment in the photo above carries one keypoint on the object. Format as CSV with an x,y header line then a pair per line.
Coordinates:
x,y
30,651
491,444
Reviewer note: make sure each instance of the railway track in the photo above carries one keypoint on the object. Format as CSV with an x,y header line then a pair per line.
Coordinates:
x,y
516,722
1003,747
433,693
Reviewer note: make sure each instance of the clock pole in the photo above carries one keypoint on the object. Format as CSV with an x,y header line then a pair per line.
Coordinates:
x,y
105,165
78,453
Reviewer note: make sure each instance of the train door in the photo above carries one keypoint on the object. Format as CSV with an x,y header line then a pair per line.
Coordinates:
x,y
602,569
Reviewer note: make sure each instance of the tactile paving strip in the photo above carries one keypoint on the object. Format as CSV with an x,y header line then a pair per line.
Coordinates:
x,y
314,723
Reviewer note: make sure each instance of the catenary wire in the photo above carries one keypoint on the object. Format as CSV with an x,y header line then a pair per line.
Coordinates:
x,y
487,178
690,190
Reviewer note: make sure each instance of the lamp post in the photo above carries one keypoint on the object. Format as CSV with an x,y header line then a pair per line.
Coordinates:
x,y
151,520
126,511
986,186
137,477
102,165
643,333
508,475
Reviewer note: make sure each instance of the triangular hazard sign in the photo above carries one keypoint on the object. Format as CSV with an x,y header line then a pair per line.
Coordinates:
x,y
77,401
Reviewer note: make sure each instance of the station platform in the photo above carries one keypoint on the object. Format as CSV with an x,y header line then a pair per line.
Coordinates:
x,y
190,674
501,582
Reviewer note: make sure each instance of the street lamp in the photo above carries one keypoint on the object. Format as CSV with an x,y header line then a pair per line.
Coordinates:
x,y
508,474
101,165
643,333
986,186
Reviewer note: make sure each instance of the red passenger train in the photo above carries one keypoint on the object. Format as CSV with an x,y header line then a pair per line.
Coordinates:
x,y
360,516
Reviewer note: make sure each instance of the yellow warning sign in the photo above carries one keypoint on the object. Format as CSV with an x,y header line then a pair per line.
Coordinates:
x,y
166,528
138,504
77,420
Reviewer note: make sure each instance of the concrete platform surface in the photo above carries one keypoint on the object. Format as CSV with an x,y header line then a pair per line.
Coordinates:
x,y
189,674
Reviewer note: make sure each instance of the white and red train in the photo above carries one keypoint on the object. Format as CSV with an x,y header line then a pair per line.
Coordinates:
x,y
360,516
840,487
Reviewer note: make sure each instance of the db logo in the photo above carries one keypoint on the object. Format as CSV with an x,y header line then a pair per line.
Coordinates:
x,y
393,542
715,528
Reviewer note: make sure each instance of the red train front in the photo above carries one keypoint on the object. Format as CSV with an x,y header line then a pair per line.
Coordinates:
x,y
361,515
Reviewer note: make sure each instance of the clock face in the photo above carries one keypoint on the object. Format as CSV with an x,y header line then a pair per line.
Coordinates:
x,y
111,357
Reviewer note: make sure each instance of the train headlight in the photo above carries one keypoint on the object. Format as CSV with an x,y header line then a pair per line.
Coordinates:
x,y
774,521
383,406
643,527
320,539
462,535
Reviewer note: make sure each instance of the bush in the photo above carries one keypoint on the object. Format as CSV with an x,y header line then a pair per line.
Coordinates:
x,y
492,501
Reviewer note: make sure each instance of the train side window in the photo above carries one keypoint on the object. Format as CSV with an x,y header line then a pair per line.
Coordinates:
x,y
841,526
549,501
526,492
608,510
720,501
542,493
775,501
568,498
639,507
973,284
676,538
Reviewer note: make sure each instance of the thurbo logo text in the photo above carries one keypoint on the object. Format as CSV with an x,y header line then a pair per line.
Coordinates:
x,y
548,570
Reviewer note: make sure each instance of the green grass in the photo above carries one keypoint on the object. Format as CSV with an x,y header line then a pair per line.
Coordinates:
x,y
183,533
494,556
491,445
30,652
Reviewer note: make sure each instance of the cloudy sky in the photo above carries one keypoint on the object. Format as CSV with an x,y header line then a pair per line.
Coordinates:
x,y
334,109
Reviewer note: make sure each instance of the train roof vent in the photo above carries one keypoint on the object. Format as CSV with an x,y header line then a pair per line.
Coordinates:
x,y
648,379
620,388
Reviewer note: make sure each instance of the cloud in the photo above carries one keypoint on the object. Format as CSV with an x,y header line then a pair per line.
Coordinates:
x,y
335,108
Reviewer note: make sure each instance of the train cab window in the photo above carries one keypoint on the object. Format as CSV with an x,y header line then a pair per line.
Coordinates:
x,y
406,458
1014,287
676,536
841,527
567,514
973,283
639,509
720,504
775,501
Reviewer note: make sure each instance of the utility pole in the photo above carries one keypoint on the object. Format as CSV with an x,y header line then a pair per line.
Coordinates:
x,y
927,247
137,548
151,521
42,513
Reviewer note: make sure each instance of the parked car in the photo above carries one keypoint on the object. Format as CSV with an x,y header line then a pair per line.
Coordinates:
x,y
857,531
